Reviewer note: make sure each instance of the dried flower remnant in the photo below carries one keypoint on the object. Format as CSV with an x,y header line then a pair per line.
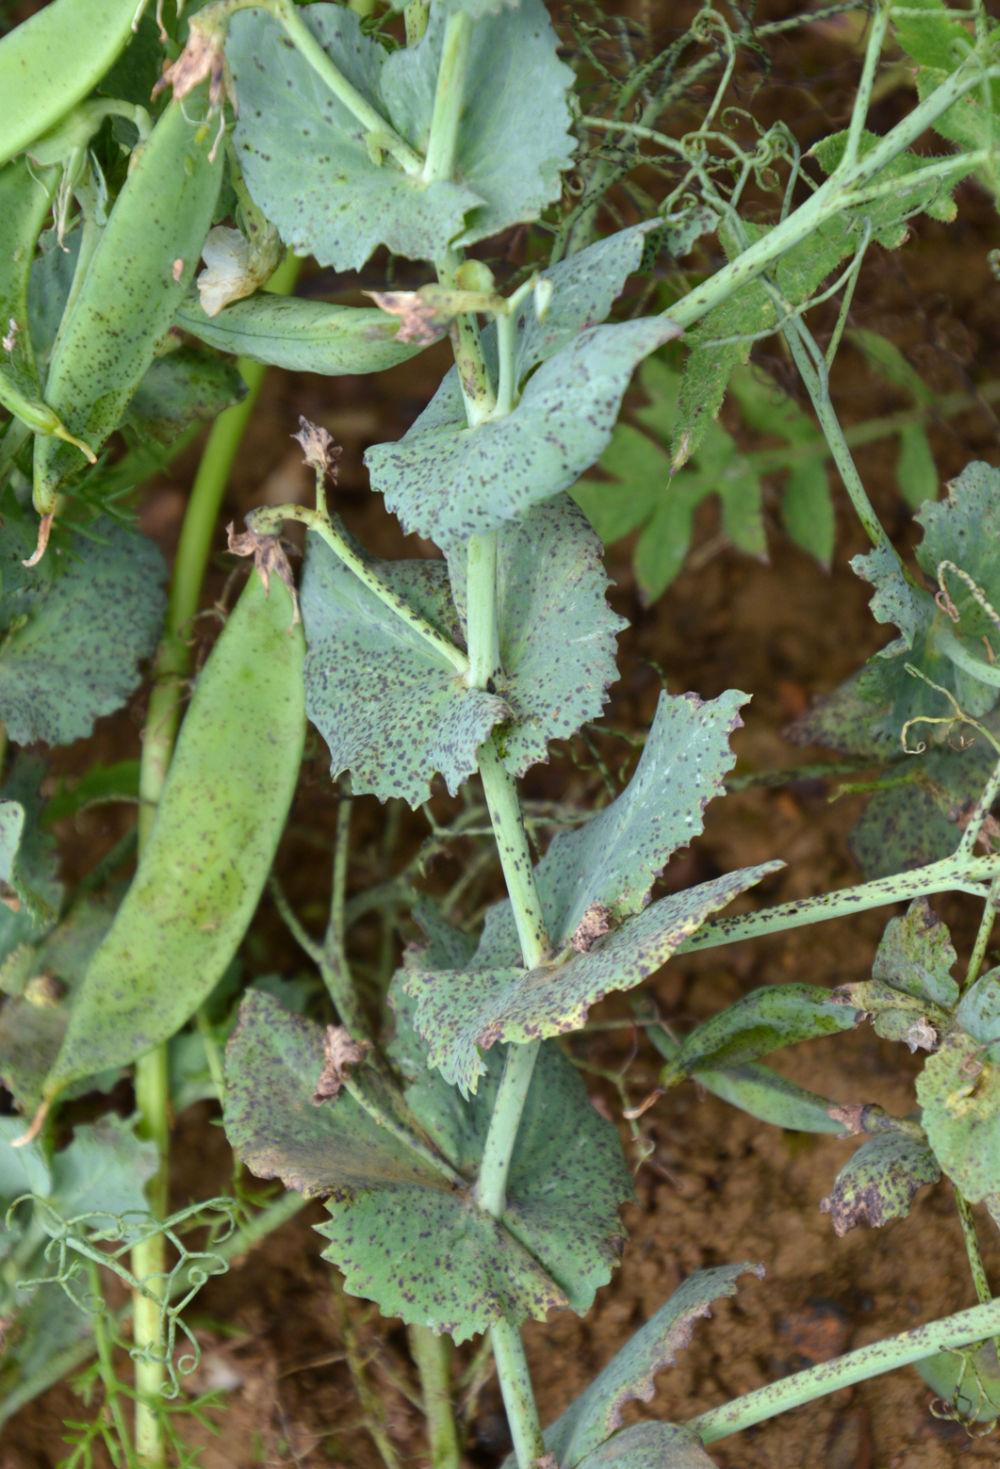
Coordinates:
x,y
269,557
341,1054
318,448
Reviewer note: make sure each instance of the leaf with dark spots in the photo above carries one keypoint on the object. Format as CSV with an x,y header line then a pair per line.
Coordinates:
x,y
28,860
880,1181
322,178
448,481
650,1446
959,1095
911,993
615,857
979,1012
557,634
762,1021
67,652
460,1012
630,1376
392,710
408,1234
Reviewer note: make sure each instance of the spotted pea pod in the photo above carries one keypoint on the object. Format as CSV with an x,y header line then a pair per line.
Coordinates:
x,y
136,279
25,200
50,62
210,849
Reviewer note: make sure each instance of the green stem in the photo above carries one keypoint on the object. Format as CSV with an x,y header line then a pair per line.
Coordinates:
x,y
432,1356
473,375
152,1075
518,1398
498,1150
970,1239
103,1346
983,934
449,99
515,854
381,132
862,100
484,645
947,876
951,1332
268,519
844,189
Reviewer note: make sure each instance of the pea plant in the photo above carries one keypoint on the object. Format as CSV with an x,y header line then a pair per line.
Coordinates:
x,y
566,228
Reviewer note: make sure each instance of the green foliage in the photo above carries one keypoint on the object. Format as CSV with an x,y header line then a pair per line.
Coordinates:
x,y
301,336
395,1199
631,1374
880,1181
69,654
292,130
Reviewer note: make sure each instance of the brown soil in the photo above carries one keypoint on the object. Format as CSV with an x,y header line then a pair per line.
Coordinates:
x,y
718,1187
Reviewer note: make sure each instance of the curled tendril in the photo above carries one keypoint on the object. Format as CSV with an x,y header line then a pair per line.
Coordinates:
x,y
963,1408
945,601
957,716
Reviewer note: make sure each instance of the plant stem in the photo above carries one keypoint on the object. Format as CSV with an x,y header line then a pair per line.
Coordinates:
x,y
498,1150
484,646
982,934
449,99
152,1077
948,875
103,1346
382,134
518,1398
970,1239
268,519
515,854
951,1332
862,99
845,188
432,1355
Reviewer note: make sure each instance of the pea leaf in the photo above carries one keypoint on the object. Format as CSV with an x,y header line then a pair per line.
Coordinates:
x,y
959,1094
301,336
322,179
762,1021
182,388
28,862
406,1235
650,1446
613,860
630,1376
69,652
460,1012
391,709
880,1181
447,481
968,1381
557,633
911,992
979,1012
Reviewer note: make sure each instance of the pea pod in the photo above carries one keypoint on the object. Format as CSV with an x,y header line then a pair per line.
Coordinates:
x,y
301,336
51,61
25,200
208,855
137,277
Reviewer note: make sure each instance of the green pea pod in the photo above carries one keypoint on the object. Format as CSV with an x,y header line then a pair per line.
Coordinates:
x,y
301,336
211,847
137,278
50,62
25,200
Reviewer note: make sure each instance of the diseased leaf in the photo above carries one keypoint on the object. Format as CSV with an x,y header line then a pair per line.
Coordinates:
x,y
302,336
614,859
408,1235
765,1020
630,1376
28,861
936,39
459,1012
959,1094
880,1181
182,388
759,1091
447,481
916,955
968,1382
328,185
69,651
391,709
557,634
650,1446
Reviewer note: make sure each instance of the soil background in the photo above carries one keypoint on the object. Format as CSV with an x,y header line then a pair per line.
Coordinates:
x,y
717,1187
